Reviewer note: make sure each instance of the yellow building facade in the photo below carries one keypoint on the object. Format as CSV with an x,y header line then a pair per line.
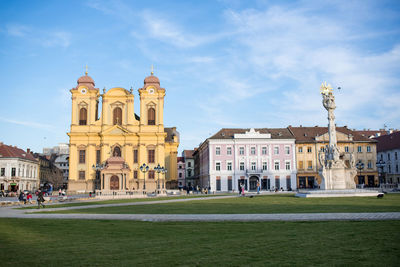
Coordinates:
x,y
311,140
100,141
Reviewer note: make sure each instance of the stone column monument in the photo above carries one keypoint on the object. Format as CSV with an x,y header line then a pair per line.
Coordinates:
x,y
334,173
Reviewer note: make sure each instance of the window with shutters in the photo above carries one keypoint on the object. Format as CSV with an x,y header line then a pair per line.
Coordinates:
x,y
229,166
217,166
241,166
82,156
117,116
151,174
151,156
98,156
264,166
83,116
151,116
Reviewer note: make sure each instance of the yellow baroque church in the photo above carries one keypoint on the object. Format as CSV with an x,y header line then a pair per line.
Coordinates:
x,y
110,152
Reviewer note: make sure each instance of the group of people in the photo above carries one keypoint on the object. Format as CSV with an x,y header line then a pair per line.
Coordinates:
x,y
195,189
25,197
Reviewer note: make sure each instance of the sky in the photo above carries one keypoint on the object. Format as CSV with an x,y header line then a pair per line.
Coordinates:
x,y
224,64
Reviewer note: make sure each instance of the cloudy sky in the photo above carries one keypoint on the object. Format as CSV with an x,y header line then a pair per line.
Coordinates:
x,y
224,64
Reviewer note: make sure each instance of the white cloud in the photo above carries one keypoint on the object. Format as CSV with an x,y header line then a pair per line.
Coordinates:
x,y
18,30
47,38
28,124
305,49
58,38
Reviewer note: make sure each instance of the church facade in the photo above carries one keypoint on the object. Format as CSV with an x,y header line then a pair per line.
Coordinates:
x,y
108,146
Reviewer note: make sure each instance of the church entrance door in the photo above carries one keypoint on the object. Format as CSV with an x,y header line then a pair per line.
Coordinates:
x,y
114,183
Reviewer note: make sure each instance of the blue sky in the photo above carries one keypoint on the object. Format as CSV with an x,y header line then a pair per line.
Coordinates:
x,y
224,64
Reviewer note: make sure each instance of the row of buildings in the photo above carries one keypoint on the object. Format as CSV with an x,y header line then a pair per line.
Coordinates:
x,y
26,170
111,148
287,158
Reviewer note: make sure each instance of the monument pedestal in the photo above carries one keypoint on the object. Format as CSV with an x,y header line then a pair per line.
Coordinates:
x,y
338,193
337,177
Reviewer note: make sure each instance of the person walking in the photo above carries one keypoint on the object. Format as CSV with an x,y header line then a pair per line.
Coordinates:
x,y
258,187
40,199
242,190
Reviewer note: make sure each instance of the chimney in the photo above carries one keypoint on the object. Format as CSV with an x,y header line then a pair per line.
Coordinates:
x,y
28,150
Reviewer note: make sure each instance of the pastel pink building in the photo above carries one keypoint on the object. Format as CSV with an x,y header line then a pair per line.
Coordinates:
x,y
248,157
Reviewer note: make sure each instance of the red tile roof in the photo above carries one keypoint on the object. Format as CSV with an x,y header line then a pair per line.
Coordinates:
x,y
188,154
276,133
388,142
14,152
373,133
308,134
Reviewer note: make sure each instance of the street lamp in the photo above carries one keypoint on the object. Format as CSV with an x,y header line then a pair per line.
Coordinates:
x,y
158,169
144,168
98,167
164,171
360,166
381,164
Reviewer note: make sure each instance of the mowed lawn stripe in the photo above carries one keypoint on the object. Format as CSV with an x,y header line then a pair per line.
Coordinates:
x,y
35,242
258,205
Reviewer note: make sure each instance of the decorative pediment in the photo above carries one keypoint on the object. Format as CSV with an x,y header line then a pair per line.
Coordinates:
x,y
339,137
252,134
83,104
151,104
117,104
115,130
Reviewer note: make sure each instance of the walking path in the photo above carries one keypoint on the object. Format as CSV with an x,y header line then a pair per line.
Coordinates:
x,y
13,212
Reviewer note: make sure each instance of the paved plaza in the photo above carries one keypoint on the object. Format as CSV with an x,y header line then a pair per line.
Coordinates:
x,y
15,212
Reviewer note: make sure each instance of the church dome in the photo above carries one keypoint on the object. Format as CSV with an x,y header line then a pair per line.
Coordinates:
x,y
86,80
151,80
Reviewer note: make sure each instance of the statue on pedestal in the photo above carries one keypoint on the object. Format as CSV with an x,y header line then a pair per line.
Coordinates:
x,y
334,173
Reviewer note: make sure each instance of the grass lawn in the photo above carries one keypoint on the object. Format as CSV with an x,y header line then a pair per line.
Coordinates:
x,y
116,201
285,203
35,242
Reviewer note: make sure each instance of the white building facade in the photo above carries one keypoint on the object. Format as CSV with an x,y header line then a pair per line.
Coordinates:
x,y
62,162
248,157
388,148
18,169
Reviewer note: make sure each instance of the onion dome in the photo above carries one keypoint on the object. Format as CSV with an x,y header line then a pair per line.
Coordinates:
x,y
86,80
151,80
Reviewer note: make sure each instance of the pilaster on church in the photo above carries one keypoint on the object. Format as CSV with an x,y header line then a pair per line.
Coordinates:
x,y
116,135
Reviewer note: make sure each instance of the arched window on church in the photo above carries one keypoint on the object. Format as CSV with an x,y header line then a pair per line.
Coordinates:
x,y
117,119
117,152
151,116
83,116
